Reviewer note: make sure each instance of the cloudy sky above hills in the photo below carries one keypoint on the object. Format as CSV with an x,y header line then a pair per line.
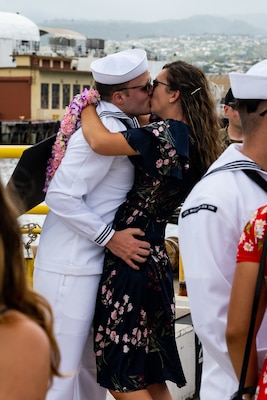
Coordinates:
x,y
134,10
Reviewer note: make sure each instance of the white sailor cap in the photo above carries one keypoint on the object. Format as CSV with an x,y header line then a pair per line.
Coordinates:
x,y
251,85
120,67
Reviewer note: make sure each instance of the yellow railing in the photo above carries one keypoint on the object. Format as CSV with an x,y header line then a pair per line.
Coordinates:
x,y
27,229
12,151
41,209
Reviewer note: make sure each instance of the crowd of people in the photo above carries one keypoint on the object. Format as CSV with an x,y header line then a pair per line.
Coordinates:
x,y
102,310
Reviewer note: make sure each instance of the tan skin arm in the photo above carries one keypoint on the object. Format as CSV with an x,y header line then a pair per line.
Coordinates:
x,y
101,140
239,313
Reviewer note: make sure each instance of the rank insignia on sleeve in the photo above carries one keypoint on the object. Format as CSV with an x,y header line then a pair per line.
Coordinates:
x,y
194,210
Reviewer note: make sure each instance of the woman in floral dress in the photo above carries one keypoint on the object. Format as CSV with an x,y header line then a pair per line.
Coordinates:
x,y
135,344
243,290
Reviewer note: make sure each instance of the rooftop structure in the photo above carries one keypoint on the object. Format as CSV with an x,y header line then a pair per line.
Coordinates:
x,y
17,27
63,41
18,35
21,36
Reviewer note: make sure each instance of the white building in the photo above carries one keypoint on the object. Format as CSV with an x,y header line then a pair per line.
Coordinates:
x,y
18,35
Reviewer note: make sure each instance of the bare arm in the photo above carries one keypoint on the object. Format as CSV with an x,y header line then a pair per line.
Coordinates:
x,y
126,246
239,319
101,140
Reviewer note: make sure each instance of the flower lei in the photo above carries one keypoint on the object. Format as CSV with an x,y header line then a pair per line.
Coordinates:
x,y
69,124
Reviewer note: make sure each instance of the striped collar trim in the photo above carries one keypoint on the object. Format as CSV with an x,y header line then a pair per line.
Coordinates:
x,y
236,165
133,122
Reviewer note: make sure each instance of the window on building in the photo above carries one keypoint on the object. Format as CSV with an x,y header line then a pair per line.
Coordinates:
x,y
66,64
76,89
56,64
46,63
55,95
65,95
44,95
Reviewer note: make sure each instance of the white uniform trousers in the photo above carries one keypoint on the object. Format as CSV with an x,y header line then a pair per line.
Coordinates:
x,y
73,302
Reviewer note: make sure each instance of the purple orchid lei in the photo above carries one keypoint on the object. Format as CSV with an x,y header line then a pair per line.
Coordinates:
x,y
69,124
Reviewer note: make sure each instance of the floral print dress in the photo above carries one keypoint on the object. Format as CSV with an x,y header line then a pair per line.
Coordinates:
x,y
250,249
135,312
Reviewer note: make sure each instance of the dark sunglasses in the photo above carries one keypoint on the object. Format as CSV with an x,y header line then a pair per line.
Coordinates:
x,y
232,104
145,88
157,83
263,113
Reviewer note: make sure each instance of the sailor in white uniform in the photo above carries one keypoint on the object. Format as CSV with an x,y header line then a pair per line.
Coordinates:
x,y
83,197
210,224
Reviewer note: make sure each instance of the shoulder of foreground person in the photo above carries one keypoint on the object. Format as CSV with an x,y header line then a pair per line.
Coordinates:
x,y
25,359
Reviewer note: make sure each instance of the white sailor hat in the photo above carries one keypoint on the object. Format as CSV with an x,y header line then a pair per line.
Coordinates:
x,y
120,67
253,84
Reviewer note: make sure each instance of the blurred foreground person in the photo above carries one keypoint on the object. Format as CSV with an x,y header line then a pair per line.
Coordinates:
x,y
29,353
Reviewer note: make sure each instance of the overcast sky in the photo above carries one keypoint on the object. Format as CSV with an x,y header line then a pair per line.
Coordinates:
x,y
134,10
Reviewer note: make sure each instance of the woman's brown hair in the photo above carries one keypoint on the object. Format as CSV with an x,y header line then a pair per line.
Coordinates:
x,y
198,107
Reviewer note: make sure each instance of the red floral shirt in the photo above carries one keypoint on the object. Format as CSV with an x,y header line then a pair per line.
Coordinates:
x,y
250,249
251,240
